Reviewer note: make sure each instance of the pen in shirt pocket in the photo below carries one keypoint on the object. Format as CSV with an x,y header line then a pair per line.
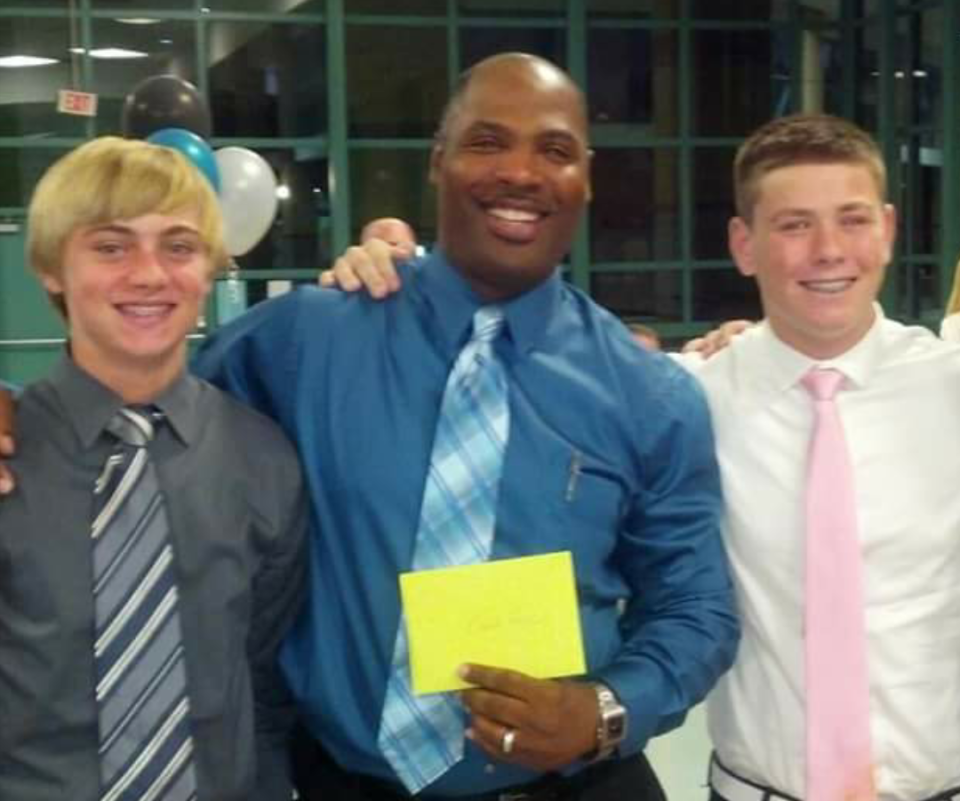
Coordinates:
x,y
573,475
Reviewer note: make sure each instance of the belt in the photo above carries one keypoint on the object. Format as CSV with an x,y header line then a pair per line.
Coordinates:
x,y
550,787
731,787
727,784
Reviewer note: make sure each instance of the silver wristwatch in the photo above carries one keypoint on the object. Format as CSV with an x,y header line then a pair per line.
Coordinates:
x,y
611,722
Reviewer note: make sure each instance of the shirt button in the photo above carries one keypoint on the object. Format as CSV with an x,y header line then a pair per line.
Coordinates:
x,y
489,768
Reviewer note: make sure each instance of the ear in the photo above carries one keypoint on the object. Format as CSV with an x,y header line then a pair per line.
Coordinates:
x,y
889,229
436,156
52,284
740,240
589,173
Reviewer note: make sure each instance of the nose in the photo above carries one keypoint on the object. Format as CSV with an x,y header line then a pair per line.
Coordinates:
x,y
518,166
828,244
146,269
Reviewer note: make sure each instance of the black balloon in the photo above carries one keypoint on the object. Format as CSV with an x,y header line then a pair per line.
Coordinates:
x,y
165,101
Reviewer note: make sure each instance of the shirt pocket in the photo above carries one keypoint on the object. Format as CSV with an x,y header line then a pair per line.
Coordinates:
x,y
588,509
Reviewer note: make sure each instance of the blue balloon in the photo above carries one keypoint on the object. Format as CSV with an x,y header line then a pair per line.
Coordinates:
x,y
193,147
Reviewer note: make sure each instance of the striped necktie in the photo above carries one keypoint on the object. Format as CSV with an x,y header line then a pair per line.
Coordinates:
x,y
145,742
422,736
839,761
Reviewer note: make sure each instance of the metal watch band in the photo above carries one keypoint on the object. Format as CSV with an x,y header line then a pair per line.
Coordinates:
x,y
611,722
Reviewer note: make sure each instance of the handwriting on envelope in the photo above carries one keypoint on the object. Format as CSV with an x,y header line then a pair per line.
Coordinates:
x,y
513,613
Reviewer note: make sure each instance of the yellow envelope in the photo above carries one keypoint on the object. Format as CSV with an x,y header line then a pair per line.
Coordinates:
x,y
520,614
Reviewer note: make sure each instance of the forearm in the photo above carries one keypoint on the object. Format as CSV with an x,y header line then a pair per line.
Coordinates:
x,y
669,661
680,628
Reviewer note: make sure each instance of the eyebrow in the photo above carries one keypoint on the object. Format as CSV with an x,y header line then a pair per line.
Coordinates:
x,y
488,126
125,230
799,211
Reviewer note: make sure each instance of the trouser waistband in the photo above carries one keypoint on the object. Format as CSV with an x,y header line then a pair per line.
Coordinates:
x,y
727,784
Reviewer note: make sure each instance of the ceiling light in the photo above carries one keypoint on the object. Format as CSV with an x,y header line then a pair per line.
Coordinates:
x,y
25,61
138,20
116,53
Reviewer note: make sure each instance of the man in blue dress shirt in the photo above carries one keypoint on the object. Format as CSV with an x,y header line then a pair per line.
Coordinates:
x,y
610,456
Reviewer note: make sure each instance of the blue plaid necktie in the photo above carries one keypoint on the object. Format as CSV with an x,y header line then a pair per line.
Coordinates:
x,y
422,736
146,749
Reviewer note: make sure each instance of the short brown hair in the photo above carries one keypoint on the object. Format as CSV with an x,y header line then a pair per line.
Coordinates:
x,y
802,139
116,179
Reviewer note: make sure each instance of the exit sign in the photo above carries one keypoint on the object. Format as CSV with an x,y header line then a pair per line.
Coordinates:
x,y
83,104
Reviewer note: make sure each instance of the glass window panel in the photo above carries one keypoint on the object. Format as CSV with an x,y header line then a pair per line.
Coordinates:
x,y
927,76
903,72
268,6
812,11
634,9
267,79
299,238
510,8
835,97
396,80
739,9
634,215
712,201
31,5
725,62
134,7
720,295
478,43
920,196
655,295
410,7
918,291
633,78
392,183
28,95
170,46
20,169
867,84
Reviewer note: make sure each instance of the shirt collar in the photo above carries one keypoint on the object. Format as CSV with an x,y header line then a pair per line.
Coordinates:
x,y
453,303
88,405
783,366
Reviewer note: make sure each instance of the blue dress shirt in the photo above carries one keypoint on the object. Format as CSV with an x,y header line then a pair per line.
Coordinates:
x,y
610,456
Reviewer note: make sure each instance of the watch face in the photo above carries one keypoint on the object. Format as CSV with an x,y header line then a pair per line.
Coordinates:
x,y
615,725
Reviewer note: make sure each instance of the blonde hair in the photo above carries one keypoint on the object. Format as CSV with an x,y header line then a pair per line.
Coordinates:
x,y
110,179
802,139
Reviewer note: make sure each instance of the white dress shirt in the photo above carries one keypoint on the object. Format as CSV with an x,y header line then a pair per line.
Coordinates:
x,y
901,413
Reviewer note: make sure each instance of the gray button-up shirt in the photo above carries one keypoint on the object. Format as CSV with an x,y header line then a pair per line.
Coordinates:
x,y
234,499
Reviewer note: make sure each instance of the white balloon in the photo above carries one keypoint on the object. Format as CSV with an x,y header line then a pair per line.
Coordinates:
x,y
248,197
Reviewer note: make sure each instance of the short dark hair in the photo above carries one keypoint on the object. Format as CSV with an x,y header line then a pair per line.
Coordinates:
x,y
802,139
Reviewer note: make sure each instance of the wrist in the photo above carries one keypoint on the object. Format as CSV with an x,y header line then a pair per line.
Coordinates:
x,y
611,722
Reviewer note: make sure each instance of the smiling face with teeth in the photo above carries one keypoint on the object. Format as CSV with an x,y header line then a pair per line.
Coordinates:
x,y
818,242
511,167
133,290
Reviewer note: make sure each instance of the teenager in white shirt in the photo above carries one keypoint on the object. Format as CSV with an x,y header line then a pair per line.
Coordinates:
x,y
814,231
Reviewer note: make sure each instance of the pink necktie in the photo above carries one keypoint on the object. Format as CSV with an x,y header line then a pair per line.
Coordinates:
x,y
839,762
